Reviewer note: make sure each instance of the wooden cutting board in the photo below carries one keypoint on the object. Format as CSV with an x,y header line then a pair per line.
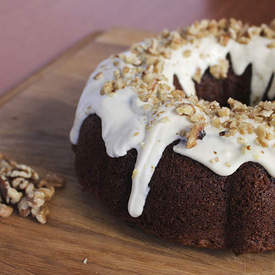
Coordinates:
x,y
35,119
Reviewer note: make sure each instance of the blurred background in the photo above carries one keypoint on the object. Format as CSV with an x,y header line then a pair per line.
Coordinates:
x,y
33,32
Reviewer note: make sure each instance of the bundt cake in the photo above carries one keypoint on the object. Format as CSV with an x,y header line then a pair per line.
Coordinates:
x,y
188,123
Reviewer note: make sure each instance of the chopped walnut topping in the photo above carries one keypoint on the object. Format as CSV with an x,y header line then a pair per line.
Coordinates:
x,y
216,122
107,88
214,160
261,131
125,70
98,76
243,40
178,94
151,85
187,53
271,45
194,134
196,117
236,105
224,111
267,31
197,76
133,59
22,188
262,136
224,39
117,74
220,70
186,109
134,173
151,54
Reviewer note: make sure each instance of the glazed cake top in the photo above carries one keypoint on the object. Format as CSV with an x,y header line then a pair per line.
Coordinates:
x,y
134,95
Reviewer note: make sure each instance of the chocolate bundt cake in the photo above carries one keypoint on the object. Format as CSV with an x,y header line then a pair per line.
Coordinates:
x,y
188,123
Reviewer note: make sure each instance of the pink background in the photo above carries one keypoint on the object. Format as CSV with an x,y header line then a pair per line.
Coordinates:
x,y
32,32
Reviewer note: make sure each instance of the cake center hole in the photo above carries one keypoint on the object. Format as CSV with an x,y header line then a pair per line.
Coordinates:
x,y
235,86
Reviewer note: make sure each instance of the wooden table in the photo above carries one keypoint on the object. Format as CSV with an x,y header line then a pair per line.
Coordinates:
x,y
35,120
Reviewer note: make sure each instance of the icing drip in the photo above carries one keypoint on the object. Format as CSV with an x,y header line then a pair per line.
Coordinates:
x,y
128,124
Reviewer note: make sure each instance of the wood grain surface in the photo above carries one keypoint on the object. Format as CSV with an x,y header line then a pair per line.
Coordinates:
x,y
35,119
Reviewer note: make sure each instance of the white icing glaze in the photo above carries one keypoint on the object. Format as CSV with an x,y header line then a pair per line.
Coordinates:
x,y
124,118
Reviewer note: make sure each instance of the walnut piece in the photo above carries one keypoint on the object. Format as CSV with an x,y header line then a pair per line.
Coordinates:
x,y
194,134
220,70
5,210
